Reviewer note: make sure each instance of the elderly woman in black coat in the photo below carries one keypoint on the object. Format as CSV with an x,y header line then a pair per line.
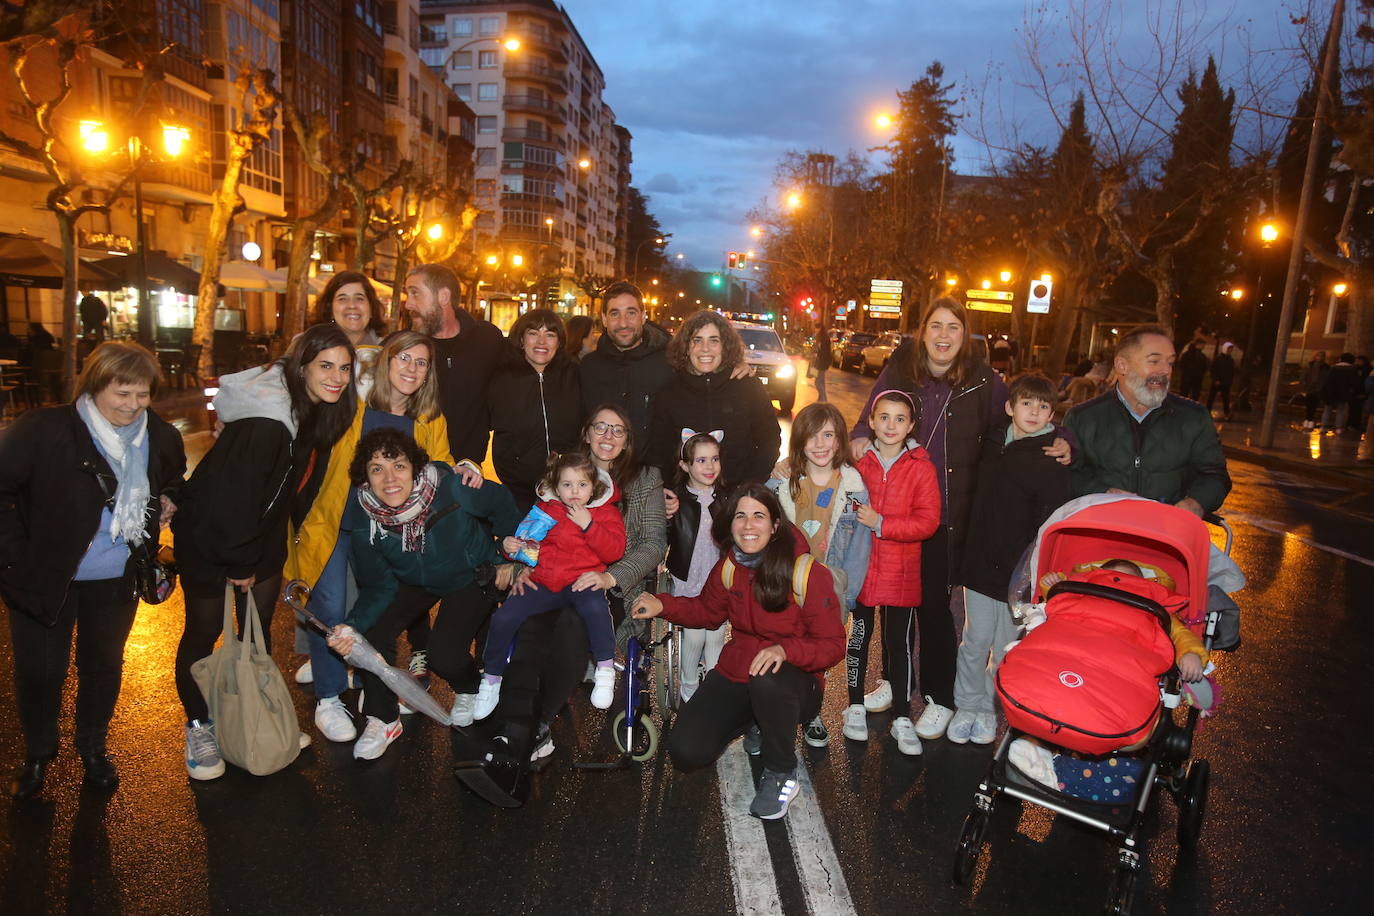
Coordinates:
x,y
81,486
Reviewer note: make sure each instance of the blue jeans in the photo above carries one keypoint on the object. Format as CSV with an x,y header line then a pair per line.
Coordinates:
x,y
328,601
590,605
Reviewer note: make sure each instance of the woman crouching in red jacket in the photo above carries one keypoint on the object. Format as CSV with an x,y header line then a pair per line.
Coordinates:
x,y
784,636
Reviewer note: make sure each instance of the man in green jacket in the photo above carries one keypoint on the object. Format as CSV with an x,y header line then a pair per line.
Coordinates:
x,y
1138,438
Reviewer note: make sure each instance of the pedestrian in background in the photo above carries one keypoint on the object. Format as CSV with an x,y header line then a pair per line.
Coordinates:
x,y
581,336
1313,381
93,312
1356,418
1341,384
1223,375
822,362
1192,367
80,486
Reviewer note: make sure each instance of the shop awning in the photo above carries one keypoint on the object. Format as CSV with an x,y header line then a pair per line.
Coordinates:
x,y
248,276
163,272
28,261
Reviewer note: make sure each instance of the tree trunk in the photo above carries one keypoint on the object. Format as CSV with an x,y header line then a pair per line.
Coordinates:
x,y
1065,321
298,265
216,244
66,232
1359,329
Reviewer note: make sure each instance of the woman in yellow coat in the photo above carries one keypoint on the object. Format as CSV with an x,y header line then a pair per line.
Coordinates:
x,y
403,393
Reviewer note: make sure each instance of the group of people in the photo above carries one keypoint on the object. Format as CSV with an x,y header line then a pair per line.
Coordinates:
x,y
352,464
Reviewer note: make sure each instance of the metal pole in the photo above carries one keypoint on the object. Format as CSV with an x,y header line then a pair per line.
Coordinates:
x,y
1290,287
145,307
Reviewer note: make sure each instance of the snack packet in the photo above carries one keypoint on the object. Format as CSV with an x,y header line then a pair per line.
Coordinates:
x,y
531,530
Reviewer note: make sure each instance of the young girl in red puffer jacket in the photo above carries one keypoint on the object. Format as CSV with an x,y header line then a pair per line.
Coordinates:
x,y
903,510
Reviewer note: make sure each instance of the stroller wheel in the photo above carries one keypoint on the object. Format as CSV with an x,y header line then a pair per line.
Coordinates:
x,y
639,740
970,844
1123,889
1192,804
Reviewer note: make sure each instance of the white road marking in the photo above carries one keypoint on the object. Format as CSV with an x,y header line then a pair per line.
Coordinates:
x,y
751,866
822,880
1274,527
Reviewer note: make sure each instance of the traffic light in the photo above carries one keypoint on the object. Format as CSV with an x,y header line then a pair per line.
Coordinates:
x,y
715,279
734,259
743,260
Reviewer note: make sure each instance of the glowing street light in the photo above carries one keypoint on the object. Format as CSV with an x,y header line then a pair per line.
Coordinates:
x,y
1269,233
435,232
883,121
175,139
756,231
584,163
951,282
517,260
492,260
511,44
987,284
94,137
1237,294
1341,288
1005,276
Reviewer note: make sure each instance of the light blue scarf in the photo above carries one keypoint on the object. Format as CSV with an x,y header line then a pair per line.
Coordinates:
x,y
122,446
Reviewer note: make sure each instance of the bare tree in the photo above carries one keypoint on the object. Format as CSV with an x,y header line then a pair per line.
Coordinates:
x,y
313,135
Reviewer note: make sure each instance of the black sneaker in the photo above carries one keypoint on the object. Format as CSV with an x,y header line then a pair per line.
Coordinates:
x,y
753,741
776,792
815,733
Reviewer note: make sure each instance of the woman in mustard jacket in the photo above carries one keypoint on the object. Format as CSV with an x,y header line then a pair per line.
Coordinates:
x,y
403,394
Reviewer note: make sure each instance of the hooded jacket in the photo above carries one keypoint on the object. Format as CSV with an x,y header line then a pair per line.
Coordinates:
x,y
740,408
907,497
849,543
629,378
532,415
233,517
811,634
51,501
568,551
457,543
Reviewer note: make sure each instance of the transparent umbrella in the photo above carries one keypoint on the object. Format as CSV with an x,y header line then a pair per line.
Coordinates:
x,y
399,681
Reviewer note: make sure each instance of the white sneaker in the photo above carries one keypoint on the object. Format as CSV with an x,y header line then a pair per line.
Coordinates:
x,y
603,693
377,737
463,704
488,695
856,723
203,760
333,720
880,700
686,690
934,720
984,729
961,726
905,733
305,674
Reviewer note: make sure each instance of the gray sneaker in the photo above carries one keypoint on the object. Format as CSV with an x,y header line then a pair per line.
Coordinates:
x,y
753,741
815,733
202,751
776,792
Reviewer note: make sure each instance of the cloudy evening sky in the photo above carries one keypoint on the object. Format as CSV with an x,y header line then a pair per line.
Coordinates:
x,y
715,91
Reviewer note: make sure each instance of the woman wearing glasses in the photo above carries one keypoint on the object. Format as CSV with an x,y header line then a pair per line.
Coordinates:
x,y
403,395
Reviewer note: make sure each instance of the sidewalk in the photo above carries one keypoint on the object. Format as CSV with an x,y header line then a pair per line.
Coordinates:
x,y
1308,453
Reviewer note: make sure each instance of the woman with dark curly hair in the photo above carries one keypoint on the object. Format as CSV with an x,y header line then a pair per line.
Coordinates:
x,y
420,535
535,403
349,301
703,398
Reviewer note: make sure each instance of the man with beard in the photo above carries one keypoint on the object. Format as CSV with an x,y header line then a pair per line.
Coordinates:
x,y
467,351
630,362
1138,438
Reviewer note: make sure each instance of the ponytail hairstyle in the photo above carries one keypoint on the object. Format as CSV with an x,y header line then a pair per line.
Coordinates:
x,y
571,461
810,420
773,576
319,425
682,479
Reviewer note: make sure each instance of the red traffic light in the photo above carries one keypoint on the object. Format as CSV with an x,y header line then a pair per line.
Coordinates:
x,y
734,259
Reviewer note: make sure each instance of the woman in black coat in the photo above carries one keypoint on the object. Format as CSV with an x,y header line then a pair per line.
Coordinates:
x,y
80,486
536,404
702,397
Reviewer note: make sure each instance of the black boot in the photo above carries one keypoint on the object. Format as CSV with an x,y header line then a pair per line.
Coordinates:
x,y
28,782
100,772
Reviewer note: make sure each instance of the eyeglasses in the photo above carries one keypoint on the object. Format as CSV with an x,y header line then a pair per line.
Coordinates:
x,y
407,360
615,430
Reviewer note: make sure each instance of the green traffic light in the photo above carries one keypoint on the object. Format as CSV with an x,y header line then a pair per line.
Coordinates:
x,y
715,279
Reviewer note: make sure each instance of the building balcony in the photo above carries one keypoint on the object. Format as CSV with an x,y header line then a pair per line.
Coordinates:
x,y
538,73
541,202
534,104
533,233
540,41
530,134
526,167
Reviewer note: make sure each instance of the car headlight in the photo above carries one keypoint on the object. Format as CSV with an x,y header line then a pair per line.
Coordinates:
x,y
785,371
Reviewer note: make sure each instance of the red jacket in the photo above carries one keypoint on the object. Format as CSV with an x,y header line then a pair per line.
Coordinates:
x,y
567,551
907,496
811,635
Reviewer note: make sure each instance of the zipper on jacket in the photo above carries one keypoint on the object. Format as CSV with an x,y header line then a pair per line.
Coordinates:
x,y
545,412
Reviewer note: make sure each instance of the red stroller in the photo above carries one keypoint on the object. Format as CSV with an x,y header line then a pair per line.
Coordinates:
x,y
1087,694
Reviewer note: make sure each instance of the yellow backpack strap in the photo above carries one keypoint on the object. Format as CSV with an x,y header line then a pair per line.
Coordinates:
x,y
801,574
727,573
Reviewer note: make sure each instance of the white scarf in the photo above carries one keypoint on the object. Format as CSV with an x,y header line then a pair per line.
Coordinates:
x,y
130,513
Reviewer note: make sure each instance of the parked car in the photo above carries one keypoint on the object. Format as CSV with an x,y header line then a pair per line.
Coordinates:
x,y
876,354
850,355
771,364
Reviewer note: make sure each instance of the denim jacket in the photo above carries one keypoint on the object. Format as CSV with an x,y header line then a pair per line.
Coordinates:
x,y
850,543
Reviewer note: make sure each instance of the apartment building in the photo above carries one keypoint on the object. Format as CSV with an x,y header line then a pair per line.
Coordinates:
x,y
551,166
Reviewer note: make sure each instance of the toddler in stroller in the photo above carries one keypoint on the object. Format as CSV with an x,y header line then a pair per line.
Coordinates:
x,y
1100,676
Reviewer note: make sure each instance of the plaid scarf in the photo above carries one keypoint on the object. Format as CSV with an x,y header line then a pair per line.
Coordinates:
x,y
409,516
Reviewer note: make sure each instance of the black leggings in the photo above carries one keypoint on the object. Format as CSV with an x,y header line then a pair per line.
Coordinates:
x,y
897,642
722,709
935,622
204,623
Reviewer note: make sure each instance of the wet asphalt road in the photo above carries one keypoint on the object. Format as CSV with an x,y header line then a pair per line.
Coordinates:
x,y
1287,828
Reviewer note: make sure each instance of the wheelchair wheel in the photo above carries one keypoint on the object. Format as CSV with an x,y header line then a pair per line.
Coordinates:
x,y
1192,804
970,844
668,677
642,740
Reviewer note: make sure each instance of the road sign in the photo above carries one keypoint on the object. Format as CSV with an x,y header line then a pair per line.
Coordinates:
x,y
991,295
976,306
884,309
1038,296
892,285
885,297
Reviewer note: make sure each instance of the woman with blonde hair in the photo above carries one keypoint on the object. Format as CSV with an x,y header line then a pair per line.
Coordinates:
x,y
402,394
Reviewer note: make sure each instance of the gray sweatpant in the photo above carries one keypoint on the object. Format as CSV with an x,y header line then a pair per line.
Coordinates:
x,y
988,629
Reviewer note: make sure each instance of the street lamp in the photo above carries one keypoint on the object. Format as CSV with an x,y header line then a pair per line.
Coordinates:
x,y
656,240
756,231
794,200
1269,233
435,232
95,139
1340,289
1005,276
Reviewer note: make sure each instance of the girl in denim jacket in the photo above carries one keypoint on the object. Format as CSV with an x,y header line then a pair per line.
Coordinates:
x,y
820,496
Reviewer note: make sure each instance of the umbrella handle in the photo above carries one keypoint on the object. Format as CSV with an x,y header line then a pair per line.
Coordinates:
x,y
296,594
